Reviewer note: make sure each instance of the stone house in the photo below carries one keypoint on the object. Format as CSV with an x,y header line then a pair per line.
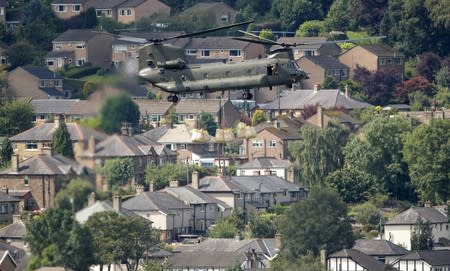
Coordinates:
x,y
214,13
81,46
9,205
399,229
320,67
323,117
267,166
152,111
66,9
37,82
375,57
43,175
310,46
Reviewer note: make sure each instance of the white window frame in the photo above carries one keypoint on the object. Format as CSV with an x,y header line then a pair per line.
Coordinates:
x,y
191,52
235,53
272,144
34,145
58,8
205,53
257,144
76,8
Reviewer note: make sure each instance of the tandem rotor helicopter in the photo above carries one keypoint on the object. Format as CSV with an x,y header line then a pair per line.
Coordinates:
x,y
165,67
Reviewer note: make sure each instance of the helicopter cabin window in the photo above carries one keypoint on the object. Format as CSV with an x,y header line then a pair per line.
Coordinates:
x,y
235,53
205,75
191,52
227,73
205,53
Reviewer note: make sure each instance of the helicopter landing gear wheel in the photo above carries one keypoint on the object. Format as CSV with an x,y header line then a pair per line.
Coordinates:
x,y
173,99
247,95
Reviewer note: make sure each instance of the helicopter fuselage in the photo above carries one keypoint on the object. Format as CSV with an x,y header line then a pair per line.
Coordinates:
x,y
177,77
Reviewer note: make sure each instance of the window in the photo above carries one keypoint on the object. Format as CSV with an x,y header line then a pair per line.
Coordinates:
x,y
309,53
234,53
122,12
50,63
155,118
41,83
47,145
80,62
4,208
382,61
26,180
182,147
173,147
57,83
31,146
257,144
76,8
224,18
2,11
272,144
180,118
58,45
60,8
80,45
205,53
129,12
191,52
191,116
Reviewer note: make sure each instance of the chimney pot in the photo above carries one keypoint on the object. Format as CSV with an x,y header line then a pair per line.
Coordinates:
x,y
151,187
117,202
195,181
15,163
316,87
91,144
139,189
91,198
173,183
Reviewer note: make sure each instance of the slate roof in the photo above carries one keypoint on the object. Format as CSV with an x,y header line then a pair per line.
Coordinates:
x,y
4,197
216,43
122,146
131,3
326,62
265,162
284,123
284,134
15,252
45,131
410,216
53,106
432,257
382,50
43,164
327,98
206,259
68,2
77,35
368,262
149,107
186,106
100,206
104,4
129,40
42,72
155,201
16,230
156,134
379,248
190,195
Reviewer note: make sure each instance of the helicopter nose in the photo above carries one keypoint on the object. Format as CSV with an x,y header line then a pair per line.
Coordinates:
x,y
144,72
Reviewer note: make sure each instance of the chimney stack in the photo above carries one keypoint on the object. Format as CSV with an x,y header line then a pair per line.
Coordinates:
x,y
266,172
427,204
117,202
173,183
91,199
195,181
316,87
278,240
5,189
151,186
139,189
320,116
15,163
16,218
91,144
346,91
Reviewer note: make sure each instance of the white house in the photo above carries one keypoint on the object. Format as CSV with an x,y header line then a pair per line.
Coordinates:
x,y
353,260
430,260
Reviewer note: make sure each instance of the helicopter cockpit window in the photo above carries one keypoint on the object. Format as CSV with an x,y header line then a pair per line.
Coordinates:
x,y
205,75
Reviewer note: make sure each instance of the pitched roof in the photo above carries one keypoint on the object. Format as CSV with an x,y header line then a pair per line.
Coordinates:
x,y
284,134
368,262
155,201
148,107
100,206
186,106
327,98
42,72
131,3
190,195
53,106
410,216
379,248
432,257
338,115
16,230
382,50
77,35
45,131
15,252
55,2
44,164
4,197
122,146
216,43
129,40
304,42
156,134
181,133
206,259
265,162
104,4
207,5
324,61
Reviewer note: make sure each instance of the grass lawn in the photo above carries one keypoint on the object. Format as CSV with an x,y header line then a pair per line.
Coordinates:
x,y
109,79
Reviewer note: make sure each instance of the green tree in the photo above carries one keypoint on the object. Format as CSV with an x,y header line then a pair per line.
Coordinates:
x,y
61,142
438,12
39,26
443,97
171,116
161,175
442,77
89,18
330,83
76,193
263,226
79,251
341,17
109,25
267,34
20,54
426,152
88,88
16,116
367,214
117,110
422,236
6,151
224,228
308,262
258,117
316,222
320,152
419,101
118,171
312,28
206,121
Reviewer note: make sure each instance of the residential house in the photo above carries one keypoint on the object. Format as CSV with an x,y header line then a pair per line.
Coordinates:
x,y
220,49
169,215
320,67
7,262
96,206
206,210
375,57
47,110
153,111
223,254
382,250
267,166
125,53
14,235
43,175
38,139
36,82
3,57
3,6
179,138
86,45
352,260
15,254
292,103
424,261
322,118
310,46
272,139
223,111
9,205
140,149
214,13
131,11
399,229
251,193
66,9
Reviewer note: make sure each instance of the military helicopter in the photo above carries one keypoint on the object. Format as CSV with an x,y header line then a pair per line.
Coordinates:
x,y
165,67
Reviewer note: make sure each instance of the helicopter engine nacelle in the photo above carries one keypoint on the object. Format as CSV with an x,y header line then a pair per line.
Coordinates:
x,y
172,64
